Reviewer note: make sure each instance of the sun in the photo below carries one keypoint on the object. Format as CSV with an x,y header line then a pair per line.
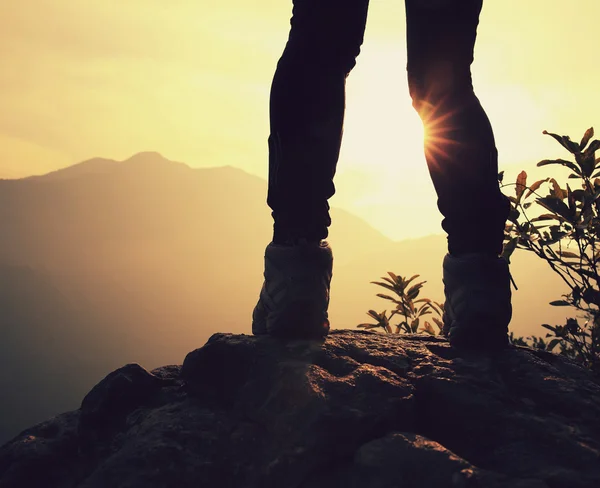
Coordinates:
x,y
382,157
382,131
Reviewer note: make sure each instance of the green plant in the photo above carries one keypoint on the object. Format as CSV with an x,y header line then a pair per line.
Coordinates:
x,y
566,234
406,306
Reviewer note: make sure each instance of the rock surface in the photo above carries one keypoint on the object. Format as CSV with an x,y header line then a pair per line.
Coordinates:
x,y
360,410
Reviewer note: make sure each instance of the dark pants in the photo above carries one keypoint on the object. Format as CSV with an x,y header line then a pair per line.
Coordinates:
x,y
307,112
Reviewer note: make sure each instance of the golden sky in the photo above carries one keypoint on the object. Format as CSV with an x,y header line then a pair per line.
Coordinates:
x,y
190,79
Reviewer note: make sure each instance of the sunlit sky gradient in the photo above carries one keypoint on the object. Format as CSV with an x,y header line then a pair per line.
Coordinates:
x,y
190,79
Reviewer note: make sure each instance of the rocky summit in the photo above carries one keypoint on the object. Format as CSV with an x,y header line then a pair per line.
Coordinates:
x,y
360,410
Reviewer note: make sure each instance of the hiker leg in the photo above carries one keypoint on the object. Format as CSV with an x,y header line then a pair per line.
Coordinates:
x,y
307,112
459,143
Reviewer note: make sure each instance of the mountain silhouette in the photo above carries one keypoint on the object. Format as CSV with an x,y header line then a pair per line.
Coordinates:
x,y
142,257
136,260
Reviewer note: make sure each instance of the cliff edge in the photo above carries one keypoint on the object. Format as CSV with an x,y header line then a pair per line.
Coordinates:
x,y
360,410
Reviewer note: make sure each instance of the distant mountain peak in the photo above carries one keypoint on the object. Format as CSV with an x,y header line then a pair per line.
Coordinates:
x,y
154,161
147,157
95,166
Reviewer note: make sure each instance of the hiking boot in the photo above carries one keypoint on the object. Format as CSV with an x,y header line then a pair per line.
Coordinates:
x,y
478,306
294,297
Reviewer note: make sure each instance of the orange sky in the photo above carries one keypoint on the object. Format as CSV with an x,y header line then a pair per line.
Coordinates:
x,y
190,79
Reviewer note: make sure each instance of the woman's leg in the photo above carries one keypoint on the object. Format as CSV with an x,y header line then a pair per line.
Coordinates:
x,y
307,112
459,144
463,162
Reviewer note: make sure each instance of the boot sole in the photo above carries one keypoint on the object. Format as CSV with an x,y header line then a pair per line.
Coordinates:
x,y
475,337
300,320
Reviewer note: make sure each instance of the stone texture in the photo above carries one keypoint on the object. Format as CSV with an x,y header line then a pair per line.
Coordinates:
x,y
359,410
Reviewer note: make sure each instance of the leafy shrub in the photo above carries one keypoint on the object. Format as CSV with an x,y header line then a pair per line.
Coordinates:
x,y
406,306
566,234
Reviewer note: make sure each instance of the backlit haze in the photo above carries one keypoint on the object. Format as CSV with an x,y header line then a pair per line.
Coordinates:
x,y
190,79
130,256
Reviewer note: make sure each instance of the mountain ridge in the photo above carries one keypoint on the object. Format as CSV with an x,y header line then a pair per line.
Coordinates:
x,y
141,258
147,160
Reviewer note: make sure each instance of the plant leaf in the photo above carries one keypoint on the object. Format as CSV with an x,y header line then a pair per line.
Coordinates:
x,y
438,308
588,164
562,162
393,276
368,326
564,141
552,344
549,327
411,278
521,185
438,322
557,191
406,327
428,328
586,138
535,186
555,205
544,217
593,147
385,285
387,297
413,291
414,325
420,300
567,254
560,303
573,147
509,248
555,136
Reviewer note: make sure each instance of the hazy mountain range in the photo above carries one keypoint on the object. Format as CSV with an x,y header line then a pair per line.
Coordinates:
x,y
105,263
